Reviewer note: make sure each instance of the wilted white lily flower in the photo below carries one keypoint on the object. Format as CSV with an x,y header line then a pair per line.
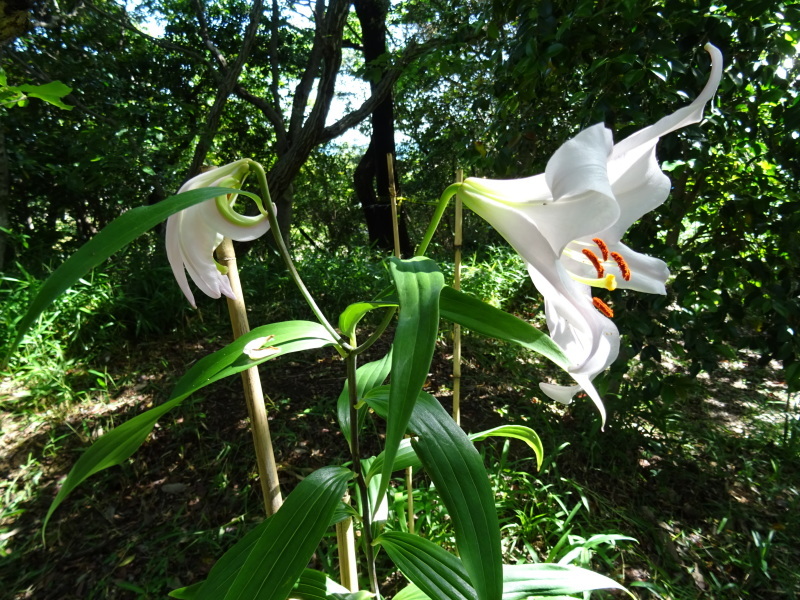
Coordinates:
x,y
194,233
568,222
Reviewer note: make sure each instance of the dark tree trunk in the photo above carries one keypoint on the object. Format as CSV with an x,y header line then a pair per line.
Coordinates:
x,y
371,177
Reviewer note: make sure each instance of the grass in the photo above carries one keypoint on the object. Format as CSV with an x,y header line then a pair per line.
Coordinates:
x,y
704,479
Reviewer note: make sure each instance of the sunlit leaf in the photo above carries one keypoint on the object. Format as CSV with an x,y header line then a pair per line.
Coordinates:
x,y
112,238
418,282
432,569
120,443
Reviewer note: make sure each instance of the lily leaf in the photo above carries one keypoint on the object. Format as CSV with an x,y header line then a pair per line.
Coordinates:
x,y
368,376
112,238
418,282
283,543
120,443
406,457
351,315
315,585
457,471
485,319
411,592
548,579
435,571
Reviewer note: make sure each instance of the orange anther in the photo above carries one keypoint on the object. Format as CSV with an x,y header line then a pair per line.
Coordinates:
x,y
603,248
595,262
603,307
623,266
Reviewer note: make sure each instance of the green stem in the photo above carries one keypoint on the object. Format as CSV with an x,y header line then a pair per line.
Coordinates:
x,y
375,336
355,451
287,258
444,199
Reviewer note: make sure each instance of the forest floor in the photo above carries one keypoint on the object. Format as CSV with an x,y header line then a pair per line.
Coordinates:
x,y
710,491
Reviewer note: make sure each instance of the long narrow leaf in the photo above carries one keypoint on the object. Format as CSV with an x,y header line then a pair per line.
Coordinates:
x,y
353,314
284,543
457,471
418,282
431,568
406,457
368,376
547,579
112,238
315,585
485,319
120,443
411,592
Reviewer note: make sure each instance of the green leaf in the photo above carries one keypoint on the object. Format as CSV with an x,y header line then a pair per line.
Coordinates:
x,y
283,544
315,585
519,432
49,92
368,376
112,238
187,593
548,579
457,471
406,457
485,319
432,569
351,315
120,443
418,282
411,592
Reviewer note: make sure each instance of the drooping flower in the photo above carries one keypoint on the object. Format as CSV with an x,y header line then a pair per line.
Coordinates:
x,y
194,233
568,222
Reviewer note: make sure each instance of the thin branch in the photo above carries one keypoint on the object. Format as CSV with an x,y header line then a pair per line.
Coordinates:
x,y
226,87
201,19
167,45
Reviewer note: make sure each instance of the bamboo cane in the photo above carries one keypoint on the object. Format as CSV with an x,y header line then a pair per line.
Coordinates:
x,y
254,396
457,286
348,573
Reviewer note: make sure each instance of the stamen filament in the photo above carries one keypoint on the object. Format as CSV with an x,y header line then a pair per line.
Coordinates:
x,y
602,307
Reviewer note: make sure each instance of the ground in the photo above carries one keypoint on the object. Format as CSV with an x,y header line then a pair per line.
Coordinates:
x,y
709,491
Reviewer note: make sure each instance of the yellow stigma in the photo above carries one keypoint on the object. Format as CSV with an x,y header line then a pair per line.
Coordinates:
x,y
609,281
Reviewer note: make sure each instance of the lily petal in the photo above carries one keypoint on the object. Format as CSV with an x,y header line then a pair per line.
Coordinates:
x,y
194,234
591,190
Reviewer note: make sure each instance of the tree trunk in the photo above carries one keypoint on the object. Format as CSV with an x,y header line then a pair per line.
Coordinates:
x,y
371,177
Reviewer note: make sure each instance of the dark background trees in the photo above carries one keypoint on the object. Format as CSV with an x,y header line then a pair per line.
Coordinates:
x,y
493,87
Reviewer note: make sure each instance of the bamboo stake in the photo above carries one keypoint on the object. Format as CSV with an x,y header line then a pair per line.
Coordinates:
x,y
254,396
393,202
348,573
457,286
396,232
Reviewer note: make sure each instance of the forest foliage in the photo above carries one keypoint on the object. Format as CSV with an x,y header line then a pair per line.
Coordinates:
x,y
105,107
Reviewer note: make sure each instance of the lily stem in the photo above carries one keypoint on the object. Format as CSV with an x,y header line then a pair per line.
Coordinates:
x,y
444,199
355,451
286,256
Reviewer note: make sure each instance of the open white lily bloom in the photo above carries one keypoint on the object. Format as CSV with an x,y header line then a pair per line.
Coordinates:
x,y
193,234
568,222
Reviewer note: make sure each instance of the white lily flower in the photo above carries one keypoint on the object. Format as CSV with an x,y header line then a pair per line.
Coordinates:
x,y
567,224
194,233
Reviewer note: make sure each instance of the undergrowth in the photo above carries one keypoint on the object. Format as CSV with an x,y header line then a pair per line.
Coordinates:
x,y
689,493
